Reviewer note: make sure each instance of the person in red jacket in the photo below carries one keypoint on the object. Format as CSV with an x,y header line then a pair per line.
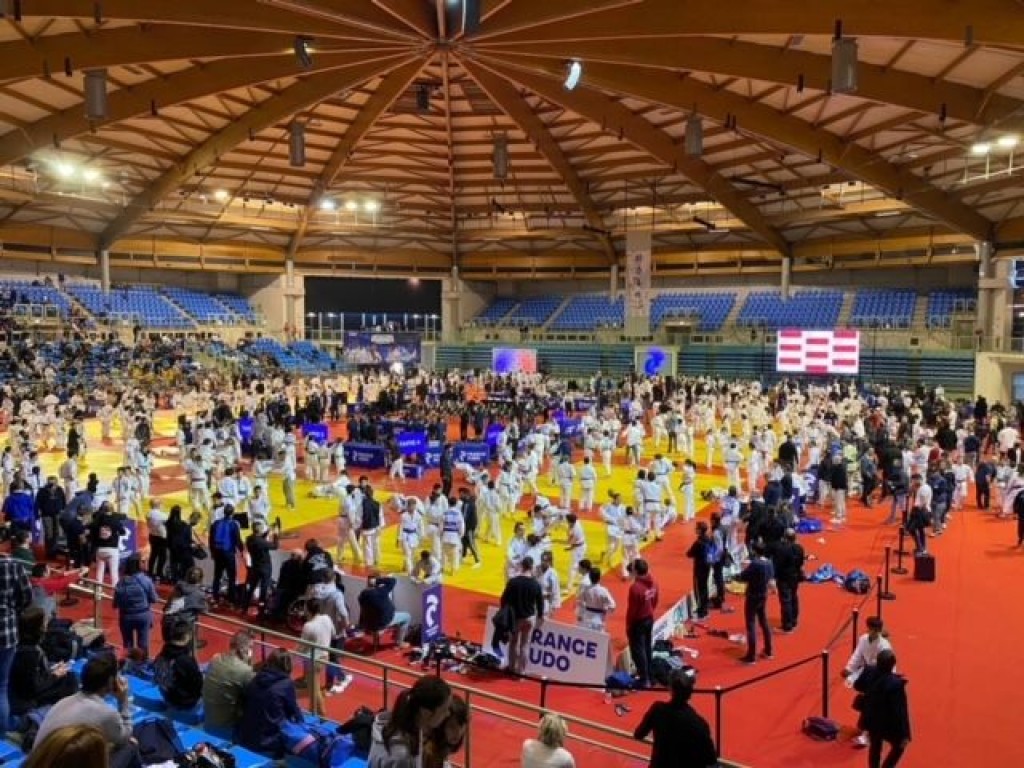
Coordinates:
x,y
641,602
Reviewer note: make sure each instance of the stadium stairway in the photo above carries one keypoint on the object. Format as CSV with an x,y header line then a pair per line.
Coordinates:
x,y
846,311
556,313
920,319
737,307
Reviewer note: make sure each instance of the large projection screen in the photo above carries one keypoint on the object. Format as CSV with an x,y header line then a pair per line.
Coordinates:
x,y
818,352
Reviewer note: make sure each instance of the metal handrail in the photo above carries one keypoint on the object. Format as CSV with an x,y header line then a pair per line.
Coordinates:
x,y
98,593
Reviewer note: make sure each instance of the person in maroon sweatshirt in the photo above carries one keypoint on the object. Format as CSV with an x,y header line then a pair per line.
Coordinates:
x,y
640,605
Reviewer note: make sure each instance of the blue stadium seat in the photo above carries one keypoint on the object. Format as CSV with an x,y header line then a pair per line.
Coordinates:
x,y
805,309
588,312
43,295
534,311
711,309
942,305
495,311
140,304
883,309
201,307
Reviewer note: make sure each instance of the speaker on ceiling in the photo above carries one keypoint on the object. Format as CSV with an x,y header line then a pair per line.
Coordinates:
x,y
95,94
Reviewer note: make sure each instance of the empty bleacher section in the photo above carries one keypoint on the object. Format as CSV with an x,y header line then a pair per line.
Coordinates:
x,y
942,305
712,309
883,309
239,305
201,307
495,311
590,311
804,309
314,355
25,293
534,311
143,305
299,358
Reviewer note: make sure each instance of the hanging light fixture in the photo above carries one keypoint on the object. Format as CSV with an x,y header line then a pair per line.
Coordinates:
x,y
693,139
500,157
296,145
95,94
844,62
303,53
573,74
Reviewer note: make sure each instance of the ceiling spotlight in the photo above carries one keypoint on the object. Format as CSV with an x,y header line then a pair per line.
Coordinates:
x,y
95,94
351,205
221,195
573,73
65,170
327,204
1008,142
90,174
296,145
370,206
981,148
844,64
500,156
303,52
693,140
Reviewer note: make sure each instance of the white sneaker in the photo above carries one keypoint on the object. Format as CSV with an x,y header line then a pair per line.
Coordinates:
x,y
477,565
341,685
861,741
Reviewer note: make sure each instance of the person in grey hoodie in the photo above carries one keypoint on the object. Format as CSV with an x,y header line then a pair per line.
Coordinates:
x,y
399,735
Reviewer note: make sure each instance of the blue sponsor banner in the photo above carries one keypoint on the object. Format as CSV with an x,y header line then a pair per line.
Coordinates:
x,y
585,403
571,427
432,457
476,454
365,455
245,427
412,443
494,432
129,544
319,432
432,614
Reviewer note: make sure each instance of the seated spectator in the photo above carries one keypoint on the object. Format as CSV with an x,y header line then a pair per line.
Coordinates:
x,y
447,739
291,585
176,671
186,603
397,735
226,678
376,609
34,683
268,701
88,707
21,549
134,598
548,749
82,745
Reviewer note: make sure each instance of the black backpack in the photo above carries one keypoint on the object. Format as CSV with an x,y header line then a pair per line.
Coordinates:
x,y
360,728
158,741
60,643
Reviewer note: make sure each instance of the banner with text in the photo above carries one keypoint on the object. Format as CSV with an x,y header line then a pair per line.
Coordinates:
x,y
638,274
562,652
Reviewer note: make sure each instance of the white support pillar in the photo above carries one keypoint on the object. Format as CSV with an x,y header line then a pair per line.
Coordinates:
x,y
104,259
613,283
986,275
290,323
787,274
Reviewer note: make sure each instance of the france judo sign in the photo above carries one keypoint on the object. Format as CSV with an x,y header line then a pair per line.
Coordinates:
x,y
561,652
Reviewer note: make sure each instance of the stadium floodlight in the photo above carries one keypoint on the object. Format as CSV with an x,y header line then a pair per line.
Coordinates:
x,y
573,74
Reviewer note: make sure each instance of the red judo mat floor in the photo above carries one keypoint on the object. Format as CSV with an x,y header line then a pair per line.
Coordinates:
x,y
956,640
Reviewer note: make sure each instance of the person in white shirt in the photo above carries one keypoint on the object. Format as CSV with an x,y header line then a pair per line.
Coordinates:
x,y
550,584
69,477
634,435
427,570
688,487
259,507
547,750
612,513
709,447
453,529
318,630
659,430
962,475
286,466
865,654
228,487
433,515
156,525
588,484
566,473
350,513
631,532
396,471
516,551
733,458
606,445
662,471
489,506
410,531
123,492
597,603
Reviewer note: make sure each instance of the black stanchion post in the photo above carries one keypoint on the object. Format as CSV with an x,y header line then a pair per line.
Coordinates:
x,y
824,683
899,570
718,718
856,628
886,594
878,596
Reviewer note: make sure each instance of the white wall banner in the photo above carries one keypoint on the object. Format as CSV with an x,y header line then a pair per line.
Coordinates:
x,y
562,652
638,274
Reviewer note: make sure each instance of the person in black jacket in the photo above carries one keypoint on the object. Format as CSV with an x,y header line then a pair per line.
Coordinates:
x,y
376,609
884,711
524,597
268,701
50,503
472,520
105,534
788,562
176,671
34,682
259,545
180,544
225,544
682,738
702,553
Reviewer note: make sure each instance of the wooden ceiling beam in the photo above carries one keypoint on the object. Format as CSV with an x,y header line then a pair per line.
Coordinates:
x,y
992,21
636,130
523,15
512,103
296,98
877,83
766,123
181,87
223,15
390,88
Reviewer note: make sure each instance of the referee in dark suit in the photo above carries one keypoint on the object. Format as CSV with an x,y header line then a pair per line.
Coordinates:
x,y
759,576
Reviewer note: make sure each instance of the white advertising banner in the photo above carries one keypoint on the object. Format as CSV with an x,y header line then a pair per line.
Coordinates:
x,y
562,652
